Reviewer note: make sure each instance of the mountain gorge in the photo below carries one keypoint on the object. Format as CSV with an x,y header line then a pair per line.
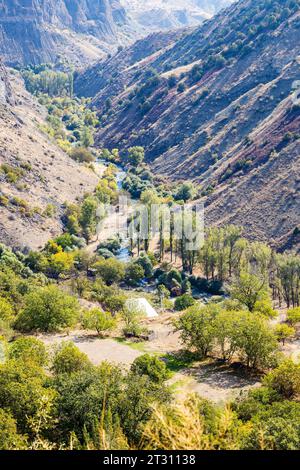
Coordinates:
x,y
217,107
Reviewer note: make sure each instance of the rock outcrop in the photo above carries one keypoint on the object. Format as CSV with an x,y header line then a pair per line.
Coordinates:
x,y
36,31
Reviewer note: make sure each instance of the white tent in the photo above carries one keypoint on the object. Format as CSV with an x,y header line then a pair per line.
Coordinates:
x,y
142,307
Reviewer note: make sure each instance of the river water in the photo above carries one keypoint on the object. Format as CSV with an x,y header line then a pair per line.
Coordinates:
x,y
124,253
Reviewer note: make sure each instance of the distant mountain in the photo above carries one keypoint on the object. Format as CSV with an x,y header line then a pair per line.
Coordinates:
x,y
216,107
84,31
157,15
35,31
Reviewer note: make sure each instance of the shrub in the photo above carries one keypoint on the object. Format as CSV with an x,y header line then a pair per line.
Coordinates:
x,y
151,366
68,359
184,302
28,349
82,155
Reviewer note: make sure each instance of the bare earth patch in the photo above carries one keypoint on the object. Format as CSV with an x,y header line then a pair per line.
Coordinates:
x,y
97,349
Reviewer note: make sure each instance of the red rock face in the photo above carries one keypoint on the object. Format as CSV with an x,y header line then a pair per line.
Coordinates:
x,y
35,31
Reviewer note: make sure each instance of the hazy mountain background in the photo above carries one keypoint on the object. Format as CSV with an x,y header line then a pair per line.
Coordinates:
x,y
168,14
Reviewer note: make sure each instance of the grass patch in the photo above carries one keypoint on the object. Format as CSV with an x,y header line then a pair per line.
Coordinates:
x,y
137,346
177,362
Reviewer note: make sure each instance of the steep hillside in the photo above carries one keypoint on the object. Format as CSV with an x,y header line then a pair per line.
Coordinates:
x,y
35,31
36,178
217,107
127,65
159,15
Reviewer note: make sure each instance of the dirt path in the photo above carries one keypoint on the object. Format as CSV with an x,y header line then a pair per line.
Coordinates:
x,y
97,350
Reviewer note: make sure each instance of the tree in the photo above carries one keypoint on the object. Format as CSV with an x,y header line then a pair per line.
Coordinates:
x,y
185,192
284,332
255,340
225,324
135,155
28,349
59,264
88,217
21,387
10,439
151,366
98,320
110,270
68,359
47,309
196,328
134,273
84,396
87,138
82,155
248,289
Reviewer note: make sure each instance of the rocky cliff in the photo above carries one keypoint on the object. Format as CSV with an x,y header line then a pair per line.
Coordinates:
x,y
35,31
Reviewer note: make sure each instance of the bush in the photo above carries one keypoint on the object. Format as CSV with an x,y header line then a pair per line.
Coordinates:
x,y
82,155
68,359
134,273
28,349
10,439
151,366
293,316
184,302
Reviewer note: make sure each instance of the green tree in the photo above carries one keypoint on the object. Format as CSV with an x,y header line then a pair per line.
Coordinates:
x,y
6,310
196,328
135,155
293,316
68,359
110,270
285,379
185,192
98,320
248,289
255,340
284,332
48,309
184,302
88,217
21,387
134,273
87,138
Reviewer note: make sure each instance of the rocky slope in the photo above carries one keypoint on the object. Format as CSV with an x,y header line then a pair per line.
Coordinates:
x,y
36,177
35,31
218,107
125,65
